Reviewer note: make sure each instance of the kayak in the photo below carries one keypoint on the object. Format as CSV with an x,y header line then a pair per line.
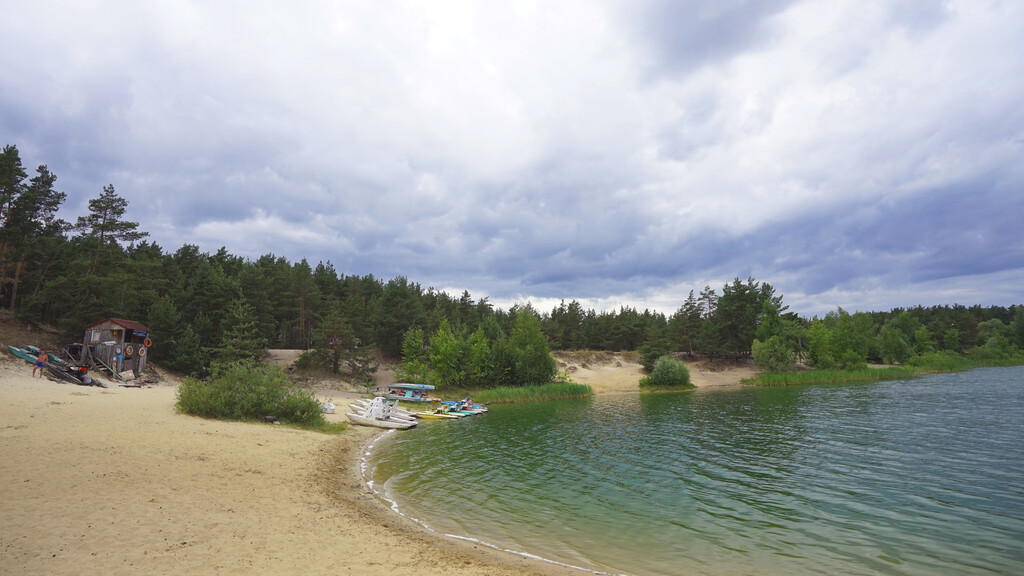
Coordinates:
x,y
23,354
51,357
428,415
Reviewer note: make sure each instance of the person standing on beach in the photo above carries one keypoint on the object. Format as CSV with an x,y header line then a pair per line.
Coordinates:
x,y
40,363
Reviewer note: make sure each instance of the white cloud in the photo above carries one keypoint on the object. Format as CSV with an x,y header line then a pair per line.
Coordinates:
x,y
610,152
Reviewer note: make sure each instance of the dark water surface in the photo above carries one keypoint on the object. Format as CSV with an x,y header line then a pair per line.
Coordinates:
x,y
915,477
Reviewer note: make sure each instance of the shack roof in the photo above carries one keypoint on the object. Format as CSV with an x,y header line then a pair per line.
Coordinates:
x,y
129,324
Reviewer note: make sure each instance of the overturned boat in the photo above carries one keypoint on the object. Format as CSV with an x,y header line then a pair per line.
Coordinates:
x,y
74,373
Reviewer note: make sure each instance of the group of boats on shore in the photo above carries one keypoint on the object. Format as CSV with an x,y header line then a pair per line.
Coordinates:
x,y
383,410
66,368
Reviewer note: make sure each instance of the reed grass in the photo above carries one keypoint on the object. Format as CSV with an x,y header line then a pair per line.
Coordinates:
x,y
515,395
833,376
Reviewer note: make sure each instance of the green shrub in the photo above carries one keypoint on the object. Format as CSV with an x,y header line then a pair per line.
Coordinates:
x,y
945,361
308,360
825,361
996,348
773,355
853,362
667,373
249,391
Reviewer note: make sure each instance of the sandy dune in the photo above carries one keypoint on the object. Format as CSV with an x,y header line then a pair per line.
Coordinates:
x,y
617,373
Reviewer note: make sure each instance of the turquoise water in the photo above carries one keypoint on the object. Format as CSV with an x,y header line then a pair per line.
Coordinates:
x,y
915,477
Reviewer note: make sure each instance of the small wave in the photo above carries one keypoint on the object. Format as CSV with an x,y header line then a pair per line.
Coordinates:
x,y
364,467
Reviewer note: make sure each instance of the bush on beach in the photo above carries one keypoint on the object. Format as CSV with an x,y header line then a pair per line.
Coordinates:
x,y
667,373
249,391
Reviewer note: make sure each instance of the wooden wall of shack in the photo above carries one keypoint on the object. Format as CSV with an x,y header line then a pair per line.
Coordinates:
x,y
120,344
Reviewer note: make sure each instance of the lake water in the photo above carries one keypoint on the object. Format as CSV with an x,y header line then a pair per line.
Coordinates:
x,y
922,476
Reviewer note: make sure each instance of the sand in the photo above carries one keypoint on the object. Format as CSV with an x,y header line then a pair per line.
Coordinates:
x,y
618,373
114,481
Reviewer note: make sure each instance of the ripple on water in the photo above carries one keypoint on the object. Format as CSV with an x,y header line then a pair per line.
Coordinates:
x,y
902,478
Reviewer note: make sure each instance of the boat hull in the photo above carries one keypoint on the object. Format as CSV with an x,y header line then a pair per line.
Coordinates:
x,y
398,416
23,354
406,392
388,423
427,415
411,398
363,405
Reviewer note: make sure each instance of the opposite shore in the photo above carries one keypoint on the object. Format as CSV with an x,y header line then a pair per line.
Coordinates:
x,y
114,481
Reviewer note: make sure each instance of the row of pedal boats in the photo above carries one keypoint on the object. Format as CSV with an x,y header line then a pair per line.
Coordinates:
x,y
384,413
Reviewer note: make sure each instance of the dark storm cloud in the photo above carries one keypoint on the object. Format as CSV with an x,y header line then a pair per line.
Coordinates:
x,y
684,36
968,230
971,229
622,153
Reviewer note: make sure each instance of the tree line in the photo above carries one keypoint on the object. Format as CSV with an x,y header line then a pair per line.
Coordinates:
x,y
204,306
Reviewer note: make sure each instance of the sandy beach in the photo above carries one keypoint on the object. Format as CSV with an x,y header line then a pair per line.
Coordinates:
x,y
620,373
114,481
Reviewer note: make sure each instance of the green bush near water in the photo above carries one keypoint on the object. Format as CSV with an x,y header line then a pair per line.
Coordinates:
x,y
942,361
668,373
249,391
946,361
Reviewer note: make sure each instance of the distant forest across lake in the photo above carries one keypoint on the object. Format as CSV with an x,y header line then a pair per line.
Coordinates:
x,y
66,275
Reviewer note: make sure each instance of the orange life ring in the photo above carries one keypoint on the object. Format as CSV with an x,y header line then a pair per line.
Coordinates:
x,y
128,350
147,343
142,352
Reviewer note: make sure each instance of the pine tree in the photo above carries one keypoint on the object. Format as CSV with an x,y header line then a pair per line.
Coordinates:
x,y
105,224
163,321
241,339
188,355
336,345
30,230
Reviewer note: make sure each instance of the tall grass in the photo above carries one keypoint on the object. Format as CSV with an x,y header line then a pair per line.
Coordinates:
x,y
833,376
512,395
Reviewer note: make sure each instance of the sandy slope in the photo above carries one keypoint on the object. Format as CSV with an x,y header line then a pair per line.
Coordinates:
x,y
113,481
616,373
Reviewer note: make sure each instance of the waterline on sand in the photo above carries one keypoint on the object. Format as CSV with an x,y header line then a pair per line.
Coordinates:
x,y
365,467
896,478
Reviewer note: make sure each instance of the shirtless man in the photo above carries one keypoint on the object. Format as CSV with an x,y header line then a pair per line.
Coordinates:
x,y
40,363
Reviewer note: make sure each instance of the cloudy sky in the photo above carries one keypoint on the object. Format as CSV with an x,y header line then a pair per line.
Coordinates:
x,y
858,154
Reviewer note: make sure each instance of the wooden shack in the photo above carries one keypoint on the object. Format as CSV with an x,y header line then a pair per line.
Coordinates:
x,y
120,344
